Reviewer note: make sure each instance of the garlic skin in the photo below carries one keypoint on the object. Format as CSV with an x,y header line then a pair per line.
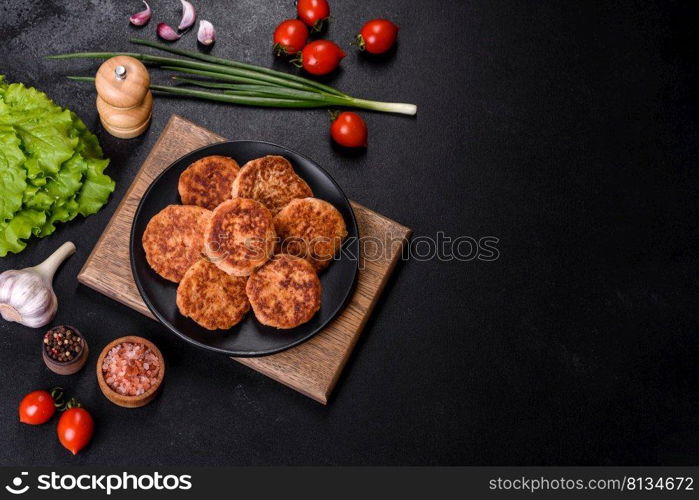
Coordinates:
x,y
189,15
26,295
207,33
141,18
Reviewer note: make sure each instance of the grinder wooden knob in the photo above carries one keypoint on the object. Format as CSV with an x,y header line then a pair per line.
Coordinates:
x,y
124,102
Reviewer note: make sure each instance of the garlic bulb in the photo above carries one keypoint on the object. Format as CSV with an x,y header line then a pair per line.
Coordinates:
x,y
26,296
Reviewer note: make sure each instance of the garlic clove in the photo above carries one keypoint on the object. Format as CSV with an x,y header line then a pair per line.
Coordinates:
x,y
141,18
167,33
207,33
26,295
189,15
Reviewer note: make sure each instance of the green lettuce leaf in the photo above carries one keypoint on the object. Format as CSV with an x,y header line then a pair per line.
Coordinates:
x,y
12,175
88,145
66,212
21,227
64,185
46,139
51,167
96,189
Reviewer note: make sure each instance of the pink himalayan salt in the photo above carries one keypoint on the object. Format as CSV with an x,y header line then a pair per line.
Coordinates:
x,y
130,369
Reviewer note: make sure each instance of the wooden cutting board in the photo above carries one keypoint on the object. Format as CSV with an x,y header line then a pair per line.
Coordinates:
x,y
311,368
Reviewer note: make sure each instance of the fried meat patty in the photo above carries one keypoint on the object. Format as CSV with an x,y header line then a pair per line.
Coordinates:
x,y
240,236
312,229
285,292
208,181
174,239
271,180
211,297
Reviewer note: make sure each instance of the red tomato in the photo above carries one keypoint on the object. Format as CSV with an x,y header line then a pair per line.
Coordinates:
x,y
36,408
377,36
313,12
349,130
75,429
290,37
321,57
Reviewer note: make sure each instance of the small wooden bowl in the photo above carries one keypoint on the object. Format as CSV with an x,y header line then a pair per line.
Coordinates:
x,y
130,401
66,367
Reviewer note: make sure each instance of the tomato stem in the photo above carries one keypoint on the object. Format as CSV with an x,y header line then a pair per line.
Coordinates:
x,y
298,60
280,50
319,25
57,396
72,403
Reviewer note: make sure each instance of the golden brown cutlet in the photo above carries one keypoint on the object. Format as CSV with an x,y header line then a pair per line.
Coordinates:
x,y
174,239
240,236
312,229
271,180
285,292
208,181
211,297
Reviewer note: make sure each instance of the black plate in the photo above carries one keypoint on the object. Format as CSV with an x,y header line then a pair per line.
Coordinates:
x,y
249,337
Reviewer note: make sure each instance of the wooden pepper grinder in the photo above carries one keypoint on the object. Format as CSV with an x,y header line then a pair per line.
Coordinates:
x,y
124,101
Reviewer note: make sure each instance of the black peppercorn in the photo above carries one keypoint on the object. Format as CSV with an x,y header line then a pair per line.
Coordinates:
x,y
63,344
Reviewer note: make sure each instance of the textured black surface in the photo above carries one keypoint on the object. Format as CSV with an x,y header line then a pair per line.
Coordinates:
x,y
568,131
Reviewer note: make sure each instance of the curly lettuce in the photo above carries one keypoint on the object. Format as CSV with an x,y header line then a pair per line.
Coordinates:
x,y
51,167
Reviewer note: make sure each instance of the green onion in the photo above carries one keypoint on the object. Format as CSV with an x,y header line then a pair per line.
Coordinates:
x,y
240,92
193,67
289,93
81,78
266,90
214,75
246,98
238,99
208,84
237,64
243,83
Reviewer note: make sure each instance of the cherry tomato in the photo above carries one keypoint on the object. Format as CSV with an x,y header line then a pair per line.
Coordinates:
x,y
377,36
313,12
349,130
75,429
36,408
290,37
321,57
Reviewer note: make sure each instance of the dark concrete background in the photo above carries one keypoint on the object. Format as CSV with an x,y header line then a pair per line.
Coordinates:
x,y
569,132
